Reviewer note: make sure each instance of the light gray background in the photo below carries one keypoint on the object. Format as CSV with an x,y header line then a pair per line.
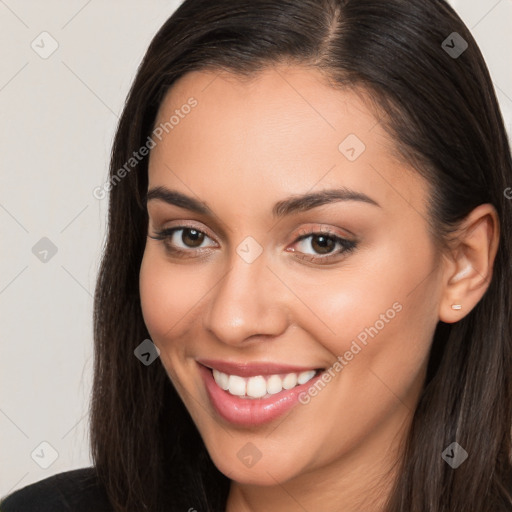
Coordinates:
x,y
57,121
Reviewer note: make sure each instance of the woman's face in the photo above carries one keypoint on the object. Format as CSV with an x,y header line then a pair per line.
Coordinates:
x,y
267,288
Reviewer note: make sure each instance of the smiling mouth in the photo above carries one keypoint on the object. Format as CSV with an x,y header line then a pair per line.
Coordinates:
x,y
261,386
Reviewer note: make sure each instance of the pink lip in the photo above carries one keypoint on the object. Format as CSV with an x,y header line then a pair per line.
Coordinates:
x,y
253,369
247,412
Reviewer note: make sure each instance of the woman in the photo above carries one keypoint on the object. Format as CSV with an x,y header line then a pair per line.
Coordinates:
x,y
304,300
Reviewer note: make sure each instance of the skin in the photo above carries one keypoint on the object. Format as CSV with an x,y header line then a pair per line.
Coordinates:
x,y
245,146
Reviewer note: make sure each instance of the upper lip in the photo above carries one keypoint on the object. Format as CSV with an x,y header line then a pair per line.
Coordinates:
x,y
252,369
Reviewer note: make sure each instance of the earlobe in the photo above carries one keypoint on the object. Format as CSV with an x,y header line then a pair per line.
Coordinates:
x,y
469,266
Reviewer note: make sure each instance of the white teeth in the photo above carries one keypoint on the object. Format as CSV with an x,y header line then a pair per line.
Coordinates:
x,y
237,385
258,386
274,384
290,381
221,379
305,376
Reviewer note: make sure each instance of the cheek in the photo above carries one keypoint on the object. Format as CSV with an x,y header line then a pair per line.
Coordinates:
x,y
378,313
344,303
165,296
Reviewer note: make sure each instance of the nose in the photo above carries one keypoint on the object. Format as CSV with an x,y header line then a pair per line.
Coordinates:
x,y
247,304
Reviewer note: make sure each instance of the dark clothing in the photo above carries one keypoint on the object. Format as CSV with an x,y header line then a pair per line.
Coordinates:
x,y
70,491
80,491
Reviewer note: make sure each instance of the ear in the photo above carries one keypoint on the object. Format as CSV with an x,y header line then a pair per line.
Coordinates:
x,y
469,264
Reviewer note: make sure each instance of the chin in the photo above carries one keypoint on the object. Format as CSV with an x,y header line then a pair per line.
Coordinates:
x,y
248,460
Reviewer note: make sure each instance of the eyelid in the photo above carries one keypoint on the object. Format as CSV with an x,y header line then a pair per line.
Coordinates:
x,y
188,224
304,232
342,233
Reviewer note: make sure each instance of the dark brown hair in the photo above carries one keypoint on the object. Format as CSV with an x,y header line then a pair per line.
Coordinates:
x,y
443,114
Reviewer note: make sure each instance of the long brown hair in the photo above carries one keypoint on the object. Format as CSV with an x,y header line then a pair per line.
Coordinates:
x,y
442,111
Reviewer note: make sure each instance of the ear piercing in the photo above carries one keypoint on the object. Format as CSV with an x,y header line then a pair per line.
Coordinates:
x,y
456,306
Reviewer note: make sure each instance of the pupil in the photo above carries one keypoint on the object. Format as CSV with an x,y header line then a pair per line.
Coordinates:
x,y
196,237
325,243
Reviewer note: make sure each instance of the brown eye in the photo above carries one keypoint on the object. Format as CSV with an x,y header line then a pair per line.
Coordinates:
x,y
183,241
192,237
323,245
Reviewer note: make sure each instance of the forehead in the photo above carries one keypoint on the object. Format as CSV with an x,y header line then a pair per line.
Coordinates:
x,y
283,129
275,97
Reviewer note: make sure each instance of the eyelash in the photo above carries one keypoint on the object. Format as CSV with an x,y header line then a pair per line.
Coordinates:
x,y
347,245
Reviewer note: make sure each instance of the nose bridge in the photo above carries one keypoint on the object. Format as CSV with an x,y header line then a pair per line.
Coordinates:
x,y
245,301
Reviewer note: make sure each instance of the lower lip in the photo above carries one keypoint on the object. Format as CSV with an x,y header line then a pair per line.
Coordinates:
x,y
248,412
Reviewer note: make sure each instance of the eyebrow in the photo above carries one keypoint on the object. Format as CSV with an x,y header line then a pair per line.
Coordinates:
x,y
288,206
